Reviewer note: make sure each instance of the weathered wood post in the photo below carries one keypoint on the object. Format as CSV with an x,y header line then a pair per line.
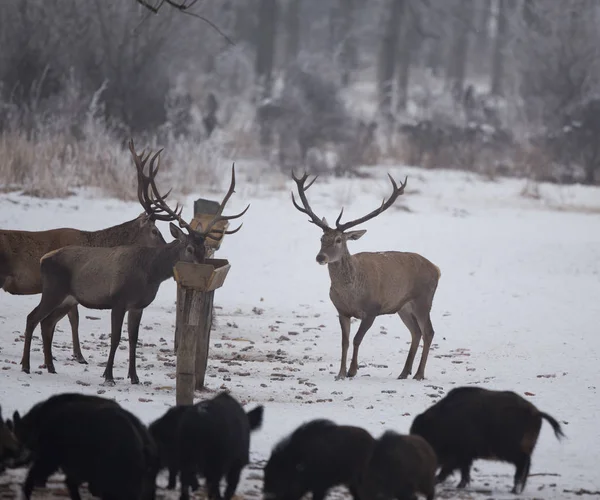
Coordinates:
x,y
196,285
204,211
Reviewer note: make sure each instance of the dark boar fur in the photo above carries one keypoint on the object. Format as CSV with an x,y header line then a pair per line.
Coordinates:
x,y
92,441
472,422
214,441
400,467
9,446
165,432
317,456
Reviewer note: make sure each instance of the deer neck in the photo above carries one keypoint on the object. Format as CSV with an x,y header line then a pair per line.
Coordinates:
x,y
162,261
343,272
122,234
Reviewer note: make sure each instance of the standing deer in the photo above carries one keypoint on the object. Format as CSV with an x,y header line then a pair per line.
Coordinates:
x,y
124,279
21,251
369,284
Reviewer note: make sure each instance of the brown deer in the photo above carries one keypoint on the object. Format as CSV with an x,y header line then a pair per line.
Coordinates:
x,y
21,251
124,279
369,284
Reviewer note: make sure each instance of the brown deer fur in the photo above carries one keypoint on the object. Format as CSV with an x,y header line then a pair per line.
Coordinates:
x,y
123,279
370,284
21,251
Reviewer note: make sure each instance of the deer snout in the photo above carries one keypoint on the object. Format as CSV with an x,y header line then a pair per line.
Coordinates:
x,y
322,259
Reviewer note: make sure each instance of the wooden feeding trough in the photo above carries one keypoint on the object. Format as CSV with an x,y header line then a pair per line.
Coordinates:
x,y
196,285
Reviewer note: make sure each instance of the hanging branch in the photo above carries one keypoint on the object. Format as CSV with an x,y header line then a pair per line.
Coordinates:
x,y
182,6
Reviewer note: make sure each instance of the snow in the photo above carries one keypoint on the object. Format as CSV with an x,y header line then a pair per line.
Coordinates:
x,y
516,308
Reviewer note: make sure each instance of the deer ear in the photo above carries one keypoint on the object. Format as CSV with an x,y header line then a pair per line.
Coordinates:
x,y
176,232
324,221
354,235
144,219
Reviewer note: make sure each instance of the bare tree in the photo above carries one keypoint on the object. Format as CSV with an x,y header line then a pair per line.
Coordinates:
x,y
456,67
392,17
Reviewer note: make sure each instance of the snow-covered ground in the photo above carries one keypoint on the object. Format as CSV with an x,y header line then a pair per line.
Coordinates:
x,y
517,308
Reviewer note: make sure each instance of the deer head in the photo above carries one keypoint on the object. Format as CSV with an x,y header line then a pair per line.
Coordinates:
x,y
334,240
156,208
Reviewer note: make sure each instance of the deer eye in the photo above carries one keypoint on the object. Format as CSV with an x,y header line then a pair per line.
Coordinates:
x,y
155,231
338,240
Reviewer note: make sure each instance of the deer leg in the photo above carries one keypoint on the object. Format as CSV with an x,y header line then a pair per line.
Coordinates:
x,y
48,325
411,323
345,324
364,326
116,318
133,327
74,320
426,327
47,305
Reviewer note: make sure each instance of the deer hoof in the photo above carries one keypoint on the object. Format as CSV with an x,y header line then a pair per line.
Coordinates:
x,y
339,376
109,382
80,359
51,369
403,375
25,369
135,380
419,376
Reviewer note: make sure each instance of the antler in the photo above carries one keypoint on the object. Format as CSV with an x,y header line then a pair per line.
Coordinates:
x,y
385,204
302,193
154,204
209,230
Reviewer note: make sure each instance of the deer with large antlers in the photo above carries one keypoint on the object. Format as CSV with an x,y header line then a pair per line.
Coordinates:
x,y
124,279
369,284
21,251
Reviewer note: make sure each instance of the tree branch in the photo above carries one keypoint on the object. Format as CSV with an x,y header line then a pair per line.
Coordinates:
x,y
183,6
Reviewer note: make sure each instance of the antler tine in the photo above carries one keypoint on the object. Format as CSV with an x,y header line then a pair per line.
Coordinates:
x,y
385,204
300,181
218,215
159,201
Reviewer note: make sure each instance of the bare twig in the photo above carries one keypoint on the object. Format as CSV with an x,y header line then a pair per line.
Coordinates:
x,y
183,6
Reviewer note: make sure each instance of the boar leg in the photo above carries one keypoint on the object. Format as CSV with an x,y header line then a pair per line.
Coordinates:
x,y
447,469
523,463
465,475
40,471
73,487
319,494
233,478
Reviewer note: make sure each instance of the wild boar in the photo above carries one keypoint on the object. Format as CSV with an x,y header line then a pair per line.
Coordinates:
x,y
400,467
214,441
9,446
165,432
472,423
99,443
317,456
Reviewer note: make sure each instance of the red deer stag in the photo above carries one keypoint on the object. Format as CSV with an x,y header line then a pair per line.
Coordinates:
x,y
21,251
369,284
124,279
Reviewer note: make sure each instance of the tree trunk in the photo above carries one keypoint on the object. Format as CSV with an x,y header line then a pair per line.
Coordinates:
x,y
292,28
348,51
497,76
482,36
265,44
265,56
405,52
387,56
457,61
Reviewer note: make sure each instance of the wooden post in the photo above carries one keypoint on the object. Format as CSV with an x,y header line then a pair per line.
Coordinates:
x,y
196,285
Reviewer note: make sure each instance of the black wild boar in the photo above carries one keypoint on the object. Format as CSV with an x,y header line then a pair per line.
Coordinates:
x,y
400,467
214,441
317,456
102,444
471,423
9,446
165,432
